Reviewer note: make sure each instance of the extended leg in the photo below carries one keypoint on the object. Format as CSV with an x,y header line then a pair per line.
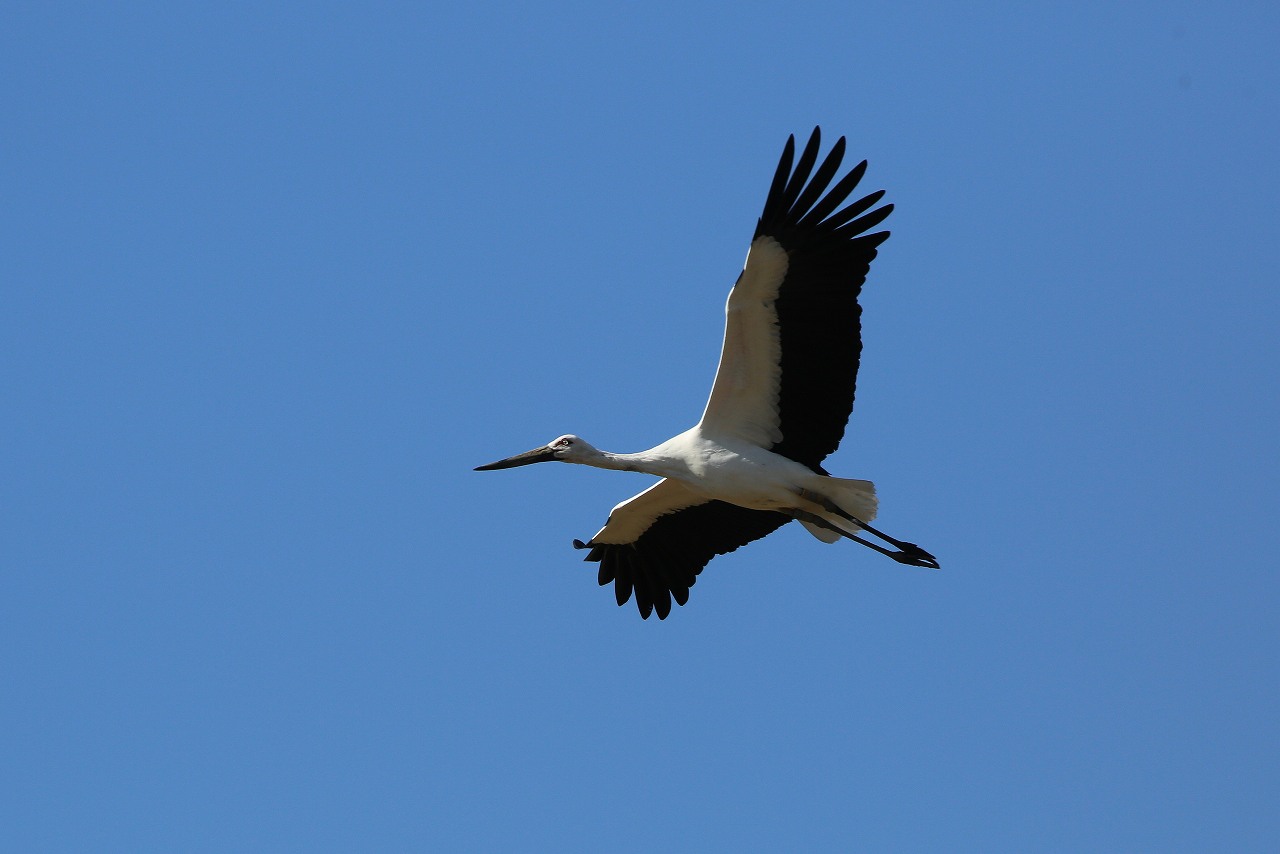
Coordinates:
x,y
908,553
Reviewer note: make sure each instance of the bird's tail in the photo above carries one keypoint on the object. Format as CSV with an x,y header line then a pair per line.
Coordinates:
x,y
855,497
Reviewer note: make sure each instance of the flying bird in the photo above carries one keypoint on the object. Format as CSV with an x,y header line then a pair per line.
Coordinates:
x,y
781,397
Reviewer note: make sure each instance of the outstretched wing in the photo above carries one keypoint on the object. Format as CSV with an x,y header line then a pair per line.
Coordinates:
x,y
789,363
657,542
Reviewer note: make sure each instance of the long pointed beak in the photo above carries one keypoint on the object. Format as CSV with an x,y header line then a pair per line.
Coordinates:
x,y
537,455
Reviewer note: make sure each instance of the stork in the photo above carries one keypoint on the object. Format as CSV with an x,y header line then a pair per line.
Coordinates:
x,y
781,397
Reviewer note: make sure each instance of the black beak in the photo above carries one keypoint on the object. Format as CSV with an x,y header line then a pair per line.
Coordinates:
x,y
537,455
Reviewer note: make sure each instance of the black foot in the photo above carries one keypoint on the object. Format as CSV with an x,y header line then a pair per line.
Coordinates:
x,y
913,555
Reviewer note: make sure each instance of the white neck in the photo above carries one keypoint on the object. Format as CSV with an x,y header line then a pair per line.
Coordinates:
x,y
648,462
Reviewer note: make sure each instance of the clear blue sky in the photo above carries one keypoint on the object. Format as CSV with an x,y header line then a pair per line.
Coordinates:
x,y
274,277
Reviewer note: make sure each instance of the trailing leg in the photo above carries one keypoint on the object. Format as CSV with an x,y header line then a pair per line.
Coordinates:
x,y
908,553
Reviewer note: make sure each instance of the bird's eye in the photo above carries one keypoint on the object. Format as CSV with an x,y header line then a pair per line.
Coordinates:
x,y
564,443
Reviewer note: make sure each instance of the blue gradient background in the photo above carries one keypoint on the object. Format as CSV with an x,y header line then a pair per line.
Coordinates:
x,y
273,278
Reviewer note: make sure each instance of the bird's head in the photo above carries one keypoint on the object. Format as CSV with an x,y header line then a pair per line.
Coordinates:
x,y
565,449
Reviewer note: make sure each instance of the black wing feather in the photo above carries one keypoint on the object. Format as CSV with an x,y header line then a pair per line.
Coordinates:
x,y
822,177
838,194
819,318
856,209
664,562
801,174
